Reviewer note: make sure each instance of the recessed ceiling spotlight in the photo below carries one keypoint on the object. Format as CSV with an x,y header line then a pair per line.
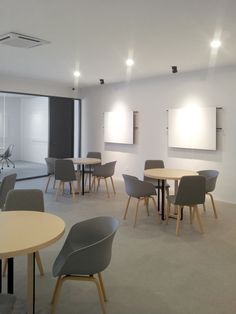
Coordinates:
x,y
216,43
76,74
129,62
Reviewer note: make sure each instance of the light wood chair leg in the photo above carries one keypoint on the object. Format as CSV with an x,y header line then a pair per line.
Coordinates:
x,y
146,201
113,186
39,263
107,188
213,205
98,184
136,213
198,218
102,287
72,189
48,183
127,206
178,220
101,297
191,214
55,292
167,212
4,267
58,189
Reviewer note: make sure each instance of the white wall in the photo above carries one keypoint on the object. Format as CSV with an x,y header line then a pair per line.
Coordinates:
x,y
34,129
151,98
10,131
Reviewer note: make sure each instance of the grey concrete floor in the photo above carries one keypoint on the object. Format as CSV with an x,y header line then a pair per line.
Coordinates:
x,y
152,270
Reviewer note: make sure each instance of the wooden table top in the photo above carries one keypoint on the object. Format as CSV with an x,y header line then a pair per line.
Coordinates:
x,y
168,174
24,232
85,161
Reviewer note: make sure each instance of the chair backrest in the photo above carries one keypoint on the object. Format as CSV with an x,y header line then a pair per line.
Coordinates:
x,y
106,170
64,170
8,183
137,188
8,151
97,155
191,190
27,199
211,178
88,247
152,164
50,162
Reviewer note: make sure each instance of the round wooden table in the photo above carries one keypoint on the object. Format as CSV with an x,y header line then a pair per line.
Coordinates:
x,y
163,174
84,162
24,233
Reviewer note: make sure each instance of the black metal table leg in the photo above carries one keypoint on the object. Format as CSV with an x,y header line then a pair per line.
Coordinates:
x,y
82,179
158,195
10,275
34,283
163,199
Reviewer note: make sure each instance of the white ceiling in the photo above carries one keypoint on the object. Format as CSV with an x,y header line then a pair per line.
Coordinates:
x,y
96,36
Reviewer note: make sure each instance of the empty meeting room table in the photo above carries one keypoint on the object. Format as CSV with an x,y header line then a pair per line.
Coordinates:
x,y
163,174
24,233
84,162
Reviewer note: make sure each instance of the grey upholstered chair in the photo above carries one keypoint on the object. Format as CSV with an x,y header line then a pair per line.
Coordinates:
x,y
211,178
152,164
65,172
103,172
27,199
50,162
5,157
8,183
86,252
89,169
141,190
191,192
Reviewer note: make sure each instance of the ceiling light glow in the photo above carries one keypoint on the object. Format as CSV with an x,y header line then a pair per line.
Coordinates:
x,y
129,62
215,44
76,74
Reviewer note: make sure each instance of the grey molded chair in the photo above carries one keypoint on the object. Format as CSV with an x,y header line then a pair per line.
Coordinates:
x,y
211,178
50,162
191,192
65,172
27,199
89,169
86,252
8,183
103,172
6,155
152,164
141,190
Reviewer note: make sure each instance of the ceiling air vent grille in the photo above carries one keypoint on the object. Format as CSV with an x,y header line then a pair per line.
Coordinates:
x,y
21,41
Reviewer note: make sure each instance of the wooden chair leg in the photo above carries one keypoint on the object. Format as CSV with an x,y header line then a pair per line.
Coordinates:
x,y
98,184
167,212
107,188
102,286
58,189
4,267
72,189
213,205
113,186
56,294
178,220
127,206
39,263
48,183
146,199
136,213
101,297
198,218
191,214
